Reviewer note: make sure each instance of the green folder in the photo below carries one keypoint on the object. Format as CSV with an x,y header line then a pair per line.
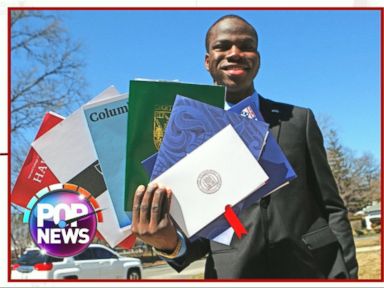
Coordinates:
x,y
150,104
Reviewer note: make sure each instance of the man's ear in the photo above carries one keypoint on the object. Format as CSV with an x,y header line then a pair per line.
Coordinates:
x,y
206,61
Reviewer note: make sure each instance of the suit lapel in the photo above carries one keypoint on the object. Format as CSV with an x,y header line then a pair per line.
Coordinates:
x,y
272,115
275,130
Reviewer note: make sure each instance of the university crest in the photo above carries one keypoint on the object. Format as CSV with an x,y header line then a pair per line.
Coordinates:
x,y
160,120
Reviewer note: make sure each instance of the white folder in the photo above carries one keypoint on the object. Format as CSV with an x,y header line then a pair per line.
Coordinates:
x,y
219,172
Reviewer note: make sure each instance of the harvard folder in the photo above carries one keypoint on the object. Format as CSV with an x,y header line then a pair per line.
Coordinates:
x,y
35,175
150,104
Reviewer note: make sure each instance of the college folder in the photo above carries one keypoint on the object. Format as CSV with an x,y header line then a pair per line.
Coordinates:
x,y
150,104
207,180
107,123
272,159
190,125
68,151
34,175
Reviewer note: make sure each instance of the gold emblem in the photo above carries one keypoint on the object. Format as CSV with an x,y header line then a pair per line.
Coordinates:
x,y
160,120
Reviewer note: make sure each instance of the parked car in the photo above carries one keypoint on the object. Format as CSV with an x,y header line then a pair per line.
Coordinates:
x,y
96,262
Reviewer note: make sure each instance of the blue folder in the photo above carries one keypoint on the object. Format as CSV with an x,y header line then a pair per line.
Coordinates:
x,y
107,121
192,122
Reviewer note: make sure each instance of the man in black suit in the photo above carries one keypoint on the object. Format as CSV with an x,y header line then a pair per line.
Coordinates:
x,y
300,231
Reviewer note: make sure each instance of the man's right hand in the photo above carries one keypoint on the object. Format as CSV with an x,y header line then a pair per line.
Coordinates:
x,y
150,217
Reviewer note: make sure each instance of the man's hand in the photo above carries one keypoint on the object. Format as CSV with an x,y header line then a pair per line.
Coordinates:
x,y
150,217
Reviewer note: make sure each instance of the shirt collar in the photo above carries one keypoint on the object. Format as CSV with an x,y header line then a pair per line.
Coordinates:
x,y
255,97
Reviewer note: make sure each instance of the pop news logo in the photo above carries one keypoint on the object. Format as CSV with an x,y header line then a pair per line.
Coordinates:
x,y
63,219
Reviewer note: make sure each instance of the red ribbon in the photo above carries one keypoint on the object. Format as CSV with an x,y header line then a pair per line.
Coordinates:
x,y
234,221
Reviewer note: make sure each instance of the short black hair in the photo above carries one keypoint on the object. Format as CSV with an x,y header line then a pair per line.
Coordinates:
x,y
229,16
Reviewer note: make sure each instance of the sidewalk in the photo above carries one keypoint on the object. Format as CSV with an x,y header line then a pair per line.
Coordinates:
x,y
368,249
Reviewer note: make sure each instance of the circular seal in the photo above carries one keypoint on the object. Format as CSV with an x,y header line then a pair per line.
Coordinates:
x,y
209,181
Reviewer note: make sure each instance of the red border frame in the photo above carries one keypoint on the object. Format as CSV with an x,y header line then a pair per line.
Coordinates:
x,y
181,9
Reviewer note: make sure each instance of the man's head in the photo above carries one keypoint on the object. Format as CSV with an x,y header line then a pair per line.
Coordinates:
x,y
232,58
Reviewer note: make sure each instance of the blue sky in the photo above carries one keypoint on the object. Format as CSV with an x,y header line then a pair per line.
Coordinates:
x,y
326,60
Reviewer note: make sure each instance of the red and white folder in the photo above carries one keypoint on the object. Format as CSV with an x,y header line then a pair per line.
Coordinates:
x,y
34,175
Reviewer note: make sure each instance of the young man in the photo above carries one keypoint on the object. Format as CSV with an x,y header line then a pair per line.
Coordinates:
x,y
300,231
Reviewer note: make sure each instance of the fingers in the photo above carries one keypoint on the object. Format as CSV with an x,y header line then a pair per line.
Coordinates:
x,y
139,194
146,203
169,199
157,206
150,206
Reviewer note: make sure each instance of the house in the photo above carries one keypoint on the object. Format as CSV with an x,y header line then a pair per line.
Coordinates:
x,y
371,215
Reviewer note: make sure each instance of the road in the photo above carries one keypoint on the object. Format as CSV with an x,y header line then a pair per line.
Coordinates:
x,y
196,269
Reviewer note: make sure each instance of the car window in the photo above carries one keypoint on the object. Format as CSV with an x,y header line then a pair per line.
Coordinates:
x,y
103,253
32,257
86,255
52,259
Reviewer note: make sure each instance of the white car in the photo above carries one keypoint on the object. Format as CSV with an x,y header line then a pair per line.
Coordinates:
x,y
96,262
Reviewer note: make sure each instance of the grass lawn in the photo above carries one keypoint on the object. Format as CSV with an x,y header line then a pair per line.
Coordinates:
x,y
369,265
369,262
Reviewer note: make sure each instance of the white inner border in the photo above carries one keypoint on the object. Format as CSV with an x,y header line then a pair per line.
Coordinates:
x,y
143,3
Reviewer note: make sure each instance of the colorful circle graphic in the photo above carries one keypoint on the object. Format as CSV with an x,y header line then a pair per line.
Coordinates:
x,y
63,222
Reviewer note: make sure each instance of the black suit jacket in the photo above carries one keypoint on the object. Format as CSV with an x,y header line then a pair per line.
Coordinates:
x,y
299,231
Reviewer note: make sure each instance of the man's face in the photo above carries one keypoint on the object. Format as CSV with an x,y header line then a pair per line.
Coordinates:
x,y
232,57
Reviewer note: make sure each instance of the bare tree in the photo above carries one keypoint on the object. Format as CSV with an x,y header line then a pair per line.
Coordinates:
x,y
45,75
340,164
20,237
365,179
357,178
